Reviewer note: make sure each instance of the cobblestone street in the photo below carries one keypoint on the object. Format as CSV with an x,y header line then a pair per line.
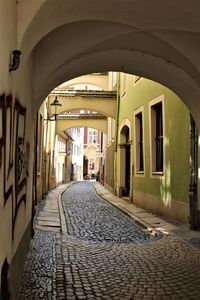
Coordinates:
x,y
91,218
106,255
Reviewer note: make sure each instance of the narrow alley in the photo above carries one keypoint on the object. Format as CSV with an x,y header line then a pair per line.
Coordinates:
x,y
85,248
99,149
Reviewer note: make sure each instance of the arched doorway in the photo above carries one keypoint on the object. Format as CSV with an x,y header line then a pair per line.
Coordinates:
x,y
124,180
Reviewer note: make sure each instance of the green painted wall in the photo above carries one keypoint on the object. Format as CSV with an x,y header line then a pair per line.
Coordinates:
x,y
175,182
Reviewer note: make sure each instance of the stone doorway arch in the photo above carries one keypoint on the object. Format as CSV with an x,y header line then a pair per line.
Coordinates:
x,y
125,172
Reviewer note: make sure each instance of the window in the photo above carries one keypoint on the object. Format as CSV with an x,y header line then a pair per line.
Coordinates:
x,y
139,147
92,136
157,137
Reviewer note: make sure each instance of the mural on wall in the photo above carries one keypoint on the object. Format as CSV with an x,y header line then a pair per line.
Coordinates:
x,y
13,153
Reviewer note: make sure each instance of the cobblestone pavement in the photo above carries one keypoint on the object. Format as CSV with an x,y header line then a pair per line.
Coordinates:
x,y
89,217
39,277
92,266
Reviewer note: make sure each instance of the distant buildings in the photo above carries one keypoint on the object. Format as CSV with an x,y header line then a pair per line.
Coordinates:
x,y
143,153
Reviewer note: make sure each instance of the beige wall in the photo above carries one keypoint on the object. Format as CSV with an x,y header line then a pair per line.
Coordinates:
x,y
62,161
100,80
16,96
102,105
101,124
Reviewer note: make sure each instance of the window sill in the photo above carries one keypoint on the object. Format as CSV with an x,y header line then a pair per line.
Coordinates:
x,y
140,172
158,173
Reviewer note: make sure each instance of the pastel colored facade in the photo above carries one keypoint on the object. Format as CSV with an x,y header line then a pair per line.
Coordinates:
x,y
165,191
77,153
93,153
63,158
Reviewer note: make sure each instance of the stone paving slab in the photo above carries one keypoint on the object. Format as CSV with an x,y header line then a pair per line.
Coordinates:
x,y
50,224
47,228
155,221
134,209
48,219
46,210
142,214
49,214
115,200
50,206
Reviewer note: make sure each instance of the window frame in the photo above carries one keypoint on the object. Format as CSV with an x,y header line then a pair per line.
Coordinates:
x,y
93,135
137,150
155,173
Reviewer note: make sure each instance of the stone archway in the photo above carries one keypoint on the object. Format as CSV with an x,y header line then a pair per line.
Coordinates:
x,y
100,39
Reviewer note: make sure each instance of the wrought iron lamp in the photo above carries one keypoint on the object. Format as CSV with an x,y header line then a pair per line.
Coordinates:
x,y
55,103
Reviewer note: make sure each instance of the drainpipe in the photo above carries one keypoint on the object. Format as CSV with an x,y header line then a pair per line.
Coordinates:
x,y
116,129
193,174
35,166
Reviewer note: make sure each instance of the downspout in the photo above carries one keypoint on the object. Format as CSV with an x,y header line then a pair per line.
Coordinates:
x,y
36,157
35,166
116,130
193,220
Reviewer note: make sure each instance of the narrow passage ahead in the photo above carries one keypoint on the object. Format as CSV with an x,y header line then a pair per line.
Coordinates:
x,y
105,255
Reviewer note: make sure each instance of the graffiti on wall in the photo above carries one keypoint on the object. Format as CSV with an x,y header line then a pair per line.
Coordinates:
x,y
13,154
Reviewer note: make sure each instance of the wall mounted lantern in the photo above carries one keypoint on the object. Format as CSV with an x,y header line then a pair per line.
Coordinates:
x,y
55,103
15,60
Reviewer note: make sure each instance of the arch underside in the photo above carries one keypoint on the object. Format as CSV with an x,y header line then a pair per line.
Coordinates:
x,y
101,125
153,43
97,81
103,106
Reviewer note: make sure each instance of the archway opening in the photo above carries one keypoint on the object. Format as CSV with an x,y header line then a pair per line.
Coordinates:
x,y
142,144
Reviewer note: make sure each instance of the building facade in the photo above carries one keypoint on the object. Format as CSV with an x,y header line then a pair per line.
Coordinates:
x,y
77,153
152,154
93,153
